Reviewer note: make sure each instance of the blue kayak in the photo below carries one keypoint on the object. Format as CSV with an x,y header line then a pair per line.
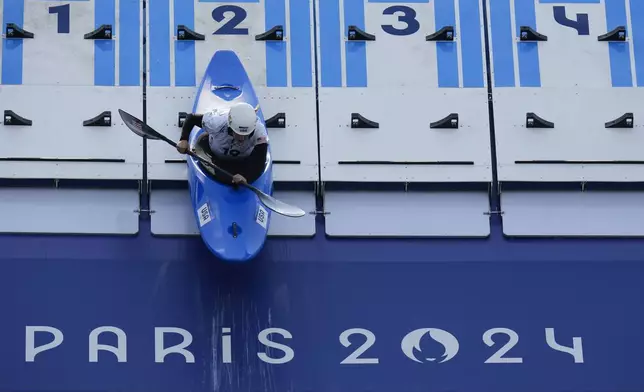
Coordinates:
x,y
232,221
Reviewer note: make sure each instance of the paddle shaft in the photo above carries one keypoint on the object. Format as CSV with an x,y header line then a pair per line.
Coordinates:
x,y
200,159
195,156
217,168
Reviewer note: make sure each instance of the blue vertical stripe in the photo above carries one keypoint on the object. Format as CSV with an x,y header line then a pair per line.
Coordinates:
x,y
104,55
184,51
502,41
330,41
13,12
637,28
528,52
619,52
159,42
129,43
446,52
301,65
276,71
471,48
355,51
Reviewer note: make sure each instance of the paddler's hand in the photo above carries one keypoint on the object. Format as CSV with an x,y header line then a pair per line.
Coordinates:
x,y
182,146
238,178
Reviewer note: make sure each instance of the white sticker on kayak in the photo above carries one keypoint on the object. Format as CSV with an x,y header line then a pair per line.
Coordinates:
x,y
262,216
204,215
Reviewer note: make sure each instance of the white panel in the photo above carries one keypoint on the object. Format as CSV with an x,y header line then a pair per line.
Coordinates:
x,y
2,42
296,142
579,134
163,107
286,226
404,135
173,214
402,94
58,58
252,53
406,214
59,79
574,84
568,59
58,132
69,211
561,213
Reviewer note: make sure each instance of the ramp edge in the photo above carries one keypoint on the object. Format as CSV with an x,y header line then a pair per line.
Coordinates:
x,y
173,214
69,211
573,213
407,214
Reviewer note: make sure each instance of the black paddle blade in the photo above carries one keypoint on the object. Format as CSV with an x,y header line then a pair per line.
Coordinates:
x,y
138,127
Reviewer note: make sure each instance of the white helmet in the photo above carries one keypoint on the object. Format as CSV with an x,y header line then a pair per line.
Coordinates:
x,y
242,118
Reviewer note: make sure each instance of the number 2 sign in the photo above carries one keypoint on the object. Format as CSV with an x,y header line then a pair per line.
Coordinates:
x,y
241,23
230,27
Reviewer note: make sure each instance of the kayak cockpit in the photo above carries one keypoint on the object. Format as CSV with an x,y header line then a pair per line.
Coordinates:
x,y
201,148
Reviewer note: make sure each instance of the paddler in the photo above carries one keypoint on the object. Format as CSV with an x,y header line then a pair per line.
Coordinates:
x,y
237,140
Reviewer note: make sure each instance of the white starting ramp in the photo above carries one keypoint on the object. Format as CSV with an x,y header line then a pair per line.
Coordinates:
x,y
66,69
172,214
567,93
403,99
274,40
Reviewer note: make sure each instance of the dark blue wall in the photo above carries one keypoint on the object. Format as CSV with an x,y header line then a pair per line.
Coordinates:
x,y
315,289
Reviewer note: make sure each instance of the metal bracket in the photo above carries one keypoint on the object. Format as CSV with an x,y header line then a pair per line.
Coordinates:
x,y
623,121
103,32
444,34
618,34
450,121
13,31
276,33
102,120
357,34
527,33
359,121
184,33
11,118
139,211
